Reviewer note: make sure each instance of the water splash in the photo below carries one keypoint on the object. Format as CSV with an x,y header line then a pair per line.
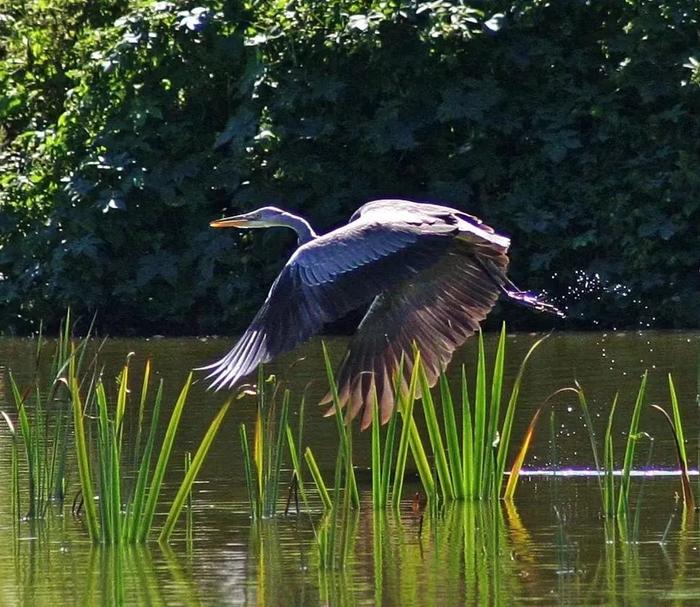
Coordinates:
x,y
587,286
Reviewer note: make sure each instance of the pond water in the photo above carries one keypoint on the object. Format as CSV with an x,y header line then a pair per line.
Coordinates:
x,y
550,547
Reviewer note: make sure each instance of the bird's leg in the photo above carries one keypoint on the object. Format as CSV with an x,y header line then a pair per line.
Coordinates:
x,y
293,490
525,298
529,299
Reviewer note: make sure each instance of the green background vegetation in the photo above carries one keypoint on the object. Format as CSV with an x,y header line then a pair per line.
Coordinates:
x,y
126,126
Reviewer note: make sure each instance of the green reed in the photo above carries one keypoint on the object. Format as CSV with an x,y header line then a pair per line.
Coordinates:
x,y
467,465
333,539
125,514
470,468
263,466
632,438
14,466
675,423
615,495
43,418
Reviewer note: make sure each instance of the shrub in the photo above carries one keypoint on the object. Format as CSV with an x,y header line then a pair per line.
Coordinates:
x,y
568,125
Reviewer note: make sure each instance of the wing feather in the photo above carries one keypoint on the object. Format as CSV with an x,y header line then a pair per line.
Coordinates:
x,y
324,280
437,311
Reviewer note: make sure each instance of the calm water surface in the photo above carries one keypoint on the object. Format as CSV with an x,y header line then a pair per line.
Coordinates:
x,y
551,547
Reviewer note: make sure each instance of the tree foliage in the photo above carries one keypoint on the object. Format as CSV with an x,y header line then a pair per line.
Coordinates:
x,y
126,126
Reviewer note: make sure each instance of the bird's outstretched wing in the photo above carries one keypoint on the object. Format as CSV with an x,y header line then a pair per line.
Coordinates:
x,y
436,311
328,277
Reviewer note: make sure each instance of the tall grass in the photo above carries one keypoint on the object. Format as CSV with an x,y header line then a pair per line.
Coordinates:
x,y
468,464
122,515
615,493
263,463
675,423
469,467
43,418
466,467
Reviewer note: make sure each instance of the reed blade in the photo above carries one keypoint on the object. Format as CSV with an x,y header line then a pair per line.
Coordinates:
x,y
588,420
194,468
142,410
377,503
609,466
277,463
435,437
296,463
452,439
390,438
344,432
136,510
677,421
512,484
507,426
420,458
259,459
253,497
623,498
30,444
318,480
468,453
688,498
406,402
493,437
83,459
480,416
162,462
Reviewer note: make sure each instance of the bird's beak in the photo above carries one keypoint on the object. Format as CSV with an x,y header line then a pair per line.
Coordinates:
x,y
239,221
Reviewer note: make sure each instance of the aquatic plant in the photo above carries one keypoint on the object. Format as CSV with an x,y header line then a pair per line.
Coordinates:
x,y
122,516
14,467
615,495
43,416
475,469
472,469
632,438
263,468
676,426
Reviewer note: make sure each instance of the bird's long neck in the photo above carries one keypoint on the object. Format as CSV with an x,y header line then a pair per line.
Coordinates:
x,y
302,227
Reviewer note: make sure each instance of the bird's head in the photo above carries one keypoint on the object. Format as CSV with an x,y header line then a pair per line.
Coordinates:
x,y
264,217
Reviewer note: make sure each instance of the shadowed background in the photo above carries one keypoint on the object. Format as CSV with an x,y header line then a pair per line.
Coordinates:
x,y
125,127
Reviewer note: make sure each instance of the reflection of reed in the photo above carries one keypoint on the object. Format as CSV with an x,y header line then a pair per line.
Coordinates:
x,y
129,575
462,555
268,563
47,571
3,398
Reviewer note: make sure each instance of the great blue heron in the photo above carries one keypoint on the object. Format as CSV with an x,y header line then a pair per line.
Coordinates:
x,y
430,273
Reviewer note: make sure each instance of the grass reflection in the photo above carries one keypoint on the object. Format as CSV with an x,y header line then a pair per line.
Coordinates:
x,y
478,553
50,567
481,553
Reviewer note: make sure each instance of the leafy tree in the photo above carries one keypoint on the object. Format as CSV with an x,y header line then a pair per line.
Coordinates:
x,y
126,126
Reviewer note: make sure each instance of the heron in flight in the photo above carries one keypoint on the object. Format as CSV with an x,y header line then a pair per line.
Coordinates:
x,y
429,273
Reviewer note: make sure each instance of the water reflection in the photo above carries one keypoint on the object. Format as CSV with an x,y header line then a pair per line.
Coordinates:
x,y
50,566
474,554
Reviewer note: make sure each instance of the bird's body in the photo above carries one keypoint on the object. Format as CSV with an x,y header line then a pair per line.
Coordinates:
x,y
429,273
